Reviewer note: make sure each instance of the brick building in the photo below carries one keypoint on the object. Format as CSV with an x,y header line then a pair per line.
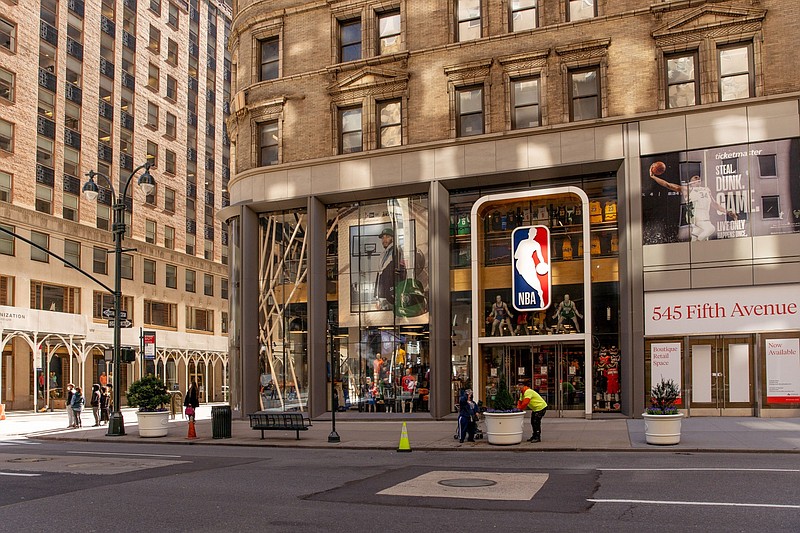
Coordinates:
x,y
581,196
108,86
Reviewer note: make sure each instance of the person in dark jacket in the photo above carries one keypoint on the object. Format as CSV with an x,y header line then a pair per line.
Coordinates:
x,y
192,399
467,417
77,404
95,403
103,404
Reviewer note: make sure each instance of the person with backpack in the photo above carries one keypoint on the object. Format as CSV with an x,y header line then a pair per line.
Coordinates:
x,y
77,404
95,403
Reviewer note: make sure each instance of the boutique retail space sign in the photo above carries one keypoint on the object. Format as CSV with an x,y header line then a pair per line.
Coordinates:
x,y
737,309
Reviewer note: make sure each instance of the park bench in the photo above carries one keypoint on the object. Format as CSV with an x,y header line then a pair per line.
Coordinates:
x,y
266,421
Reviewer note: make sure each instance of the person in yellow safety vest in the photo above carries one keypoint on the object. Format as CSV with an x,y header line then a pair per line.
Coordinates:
x,y
531,399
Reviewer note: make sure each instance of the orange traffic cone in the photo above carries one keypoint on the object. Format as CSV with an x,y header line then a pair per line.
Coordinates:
x,y
192,432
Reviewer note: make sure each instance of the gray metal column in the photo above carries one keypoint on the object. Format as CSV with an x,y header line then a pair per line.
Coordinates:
x,y
439,299
317,308
249,372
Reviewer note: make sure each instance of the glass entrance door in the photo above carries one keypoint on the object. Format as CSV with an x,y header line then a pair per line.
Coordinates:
x,y
554,370
721,375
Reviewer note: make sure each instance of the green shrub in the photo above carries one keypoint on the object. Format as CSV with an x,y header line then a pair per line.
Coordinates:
x,y
503,401
663,397
148,394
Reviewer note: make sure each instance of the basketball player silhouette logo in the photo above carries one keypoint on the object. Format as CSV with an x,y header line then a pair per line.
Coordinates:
x,y
531,273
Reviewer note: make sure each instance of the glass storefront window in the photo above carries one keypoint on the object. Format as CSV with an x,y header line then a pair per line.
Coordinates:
x,y
378,282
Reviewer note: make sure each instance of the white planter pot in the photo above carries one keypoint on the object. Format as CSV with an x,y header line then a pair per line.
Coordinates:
x,y
504,428
662,429
153,424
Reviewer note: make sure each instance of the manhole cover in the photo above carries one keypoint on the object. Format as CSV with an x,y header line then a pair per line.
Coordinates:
x,y
467,482
28,460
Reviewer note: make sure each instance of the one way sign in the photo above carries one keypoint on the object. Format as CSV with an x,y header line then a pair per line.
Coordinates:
x,y
124,323
109,313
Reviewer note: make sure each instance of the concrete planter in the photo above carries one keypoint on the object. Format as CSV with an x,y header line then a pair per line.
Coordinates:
x,y
504,428
662,429
153,424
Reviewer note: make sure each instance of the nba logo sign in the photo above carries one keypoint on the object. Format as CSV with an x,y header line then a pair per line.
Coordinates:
x,y
530,282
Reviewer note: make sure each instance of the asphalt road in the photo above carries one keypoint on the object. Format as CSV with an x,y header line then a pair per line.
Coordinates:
x,y
80,486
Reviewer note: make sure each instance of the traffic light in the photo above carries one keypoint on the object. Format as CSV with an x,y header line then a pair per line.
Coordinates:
x,y
127,355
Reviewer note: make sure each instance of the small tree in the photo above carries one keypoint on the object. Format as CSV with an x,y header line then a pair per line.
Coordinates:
x,y
663,397
148,394
503,401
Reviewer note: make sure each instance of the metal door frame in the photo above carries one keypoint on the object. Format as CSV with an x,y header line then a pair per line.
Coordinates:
x,y
720,404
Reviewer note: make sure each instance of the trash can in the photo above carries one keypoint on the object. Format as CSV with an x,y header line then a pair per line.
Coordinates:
x,y
221,421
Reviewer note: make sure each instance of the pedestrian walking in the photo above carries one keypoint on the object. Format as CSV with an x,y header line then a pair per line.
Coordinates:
x,y
109,401
70,412
103,405
95,403
191,401
77,404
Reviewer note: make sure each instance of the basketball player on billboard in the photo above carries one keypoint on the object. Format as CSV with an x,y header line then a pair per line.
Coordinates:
x,y
699,201
529,263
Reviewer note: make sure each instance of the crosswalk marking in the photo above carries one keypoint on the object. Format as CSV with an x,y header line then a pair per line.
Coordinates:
x,y
18,474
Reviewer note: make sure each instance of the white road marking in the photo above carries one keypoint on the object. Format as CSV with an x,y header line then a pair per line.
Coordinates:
x,y
18,474
126,454
699,469
711,504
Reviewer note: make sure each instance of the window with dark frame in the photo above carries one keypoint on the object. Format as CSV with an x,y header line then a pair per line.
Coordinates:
x,y
154,40
390,128
7,79
171,276
349,40
149,271
72,252
99,260
269,59
191,280
468,20
268,143
8,35
523,14
126,272
526,111
172,52
43,240
389,32
683,88
152,115
150,231
584,94
5,186
44,199
736,79
469,111
208,285
169,200
69,208
350,130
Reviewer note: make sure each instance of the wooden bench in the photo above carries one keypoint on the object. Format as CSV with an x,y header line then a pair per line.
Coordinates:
x,y
266,421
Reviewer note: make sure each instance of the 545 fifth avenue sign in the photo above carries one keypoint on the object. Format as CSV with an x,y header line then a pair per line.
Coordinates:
x,y
732,309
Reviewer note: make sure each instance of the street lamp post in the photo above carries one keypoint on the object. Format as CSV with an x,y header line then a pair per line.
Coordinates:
x,y
116,425
333,437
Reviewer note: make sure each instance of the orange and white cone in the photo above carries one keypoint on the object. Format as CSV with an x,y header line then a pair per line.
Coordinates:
x,y
192,433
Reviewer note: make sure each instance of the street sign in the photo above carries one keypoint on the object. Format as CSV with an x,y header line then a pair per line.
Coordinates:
x,y
109,313
122,323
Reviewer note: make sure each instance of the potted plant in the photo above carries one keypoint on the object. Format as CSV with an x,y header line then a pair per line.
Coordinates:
x,y
662,421
504,421
150,395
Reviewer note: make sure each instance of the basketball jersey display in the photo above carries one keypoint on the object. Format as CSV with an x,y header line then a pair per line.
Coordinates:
x,y
595,212
595,249
566,249
463,225
612,380
611,211
614,243
580,247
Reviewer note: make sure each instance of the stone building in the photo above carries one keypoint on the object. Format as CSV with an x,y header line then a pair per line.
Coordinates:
x,y
107,86
581,196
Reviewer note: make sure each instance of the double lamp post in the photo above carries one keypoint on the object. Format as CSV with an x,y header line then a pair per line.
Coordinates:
x,y
116,425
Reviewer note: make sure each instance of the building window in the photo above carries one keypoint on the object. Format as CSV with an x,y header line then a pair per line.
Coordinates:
x,y
525,103
70,207
103,217
581,9
389,124
6,241
268,143
8,35
174,16
100,260
169,199
191,276
155,6
224,322
468,20
44,199
72,252
72,116
683,88
153,74
6,290
172,89
5,187
169,164
43,240
169,237
152,115
171,276
208,249
269,59
6,136
223,288
208,284
150,231
172,52
154,43
6,85
199,319
171,126
160,314
152,153
349,40
149,272
191,242
736,72
469,110
102,301
584,94
126,272
389,32
47,297
350,134
523,14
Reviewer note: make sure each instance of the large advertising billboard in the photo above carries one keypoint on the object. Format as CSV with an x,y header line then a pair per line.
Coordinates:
x,y
721,193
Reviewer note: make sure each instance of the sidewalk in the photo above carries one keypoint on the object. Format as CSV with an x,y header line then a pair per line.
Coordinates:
x,y
721,434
